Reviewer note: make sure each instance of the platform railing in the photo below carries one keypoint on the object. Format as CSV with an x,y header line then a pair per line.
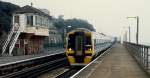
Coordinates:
x,y
141,53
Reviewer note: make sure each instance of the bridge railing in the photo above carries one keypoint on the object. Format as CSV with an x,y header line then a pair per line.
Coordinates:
x,y
141,53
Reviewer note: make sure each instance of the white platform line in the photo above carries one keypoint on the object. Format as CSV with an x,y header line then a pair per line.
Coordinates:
x,y
37,57
91,63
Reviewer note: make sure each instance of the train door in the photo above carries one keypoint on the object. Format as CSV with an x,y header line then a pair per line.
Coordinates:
x,y
79,47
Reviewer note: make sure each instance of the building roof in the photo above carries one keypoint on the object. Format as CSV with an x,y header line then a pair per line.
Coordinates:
x,y
30,9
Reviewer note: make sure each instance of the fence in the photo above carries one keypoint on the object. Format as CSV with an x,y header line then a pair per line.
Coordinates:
x,y
141,53
54,45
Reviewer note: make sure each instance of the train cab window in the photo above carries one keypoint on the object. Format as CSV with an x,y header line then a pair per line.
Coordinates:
x,y
88,40
71,41
88,43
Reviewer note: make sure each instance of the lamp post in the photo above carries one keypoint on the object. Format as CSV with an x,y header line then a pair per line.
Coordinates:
x,y
125,36
65,32
129,33
137,32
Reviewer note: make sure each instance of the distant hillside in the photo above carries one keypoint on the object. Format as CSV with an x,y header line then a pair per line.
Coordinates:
x,y
6,10
74,23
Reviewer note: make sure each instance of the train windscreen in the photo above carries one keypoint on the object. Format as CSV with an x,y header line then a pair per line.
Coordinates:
x,y
79,44
71,41
88,42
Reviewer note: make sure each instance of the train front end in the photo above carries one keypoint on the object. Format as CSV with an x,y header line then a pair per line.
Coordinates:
x,y
79,49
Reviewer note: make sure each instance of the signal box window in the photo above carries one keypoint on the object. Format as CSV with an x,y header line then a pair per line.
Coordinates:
x,y
30,20
16,19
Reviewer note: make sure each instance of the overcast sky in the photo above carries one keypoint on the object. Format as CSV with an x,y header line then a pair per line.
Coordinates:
x,y
108,16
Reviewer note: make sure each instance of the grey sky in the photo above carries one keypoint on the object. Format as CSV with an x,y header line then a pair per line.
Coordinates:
x,y
108,16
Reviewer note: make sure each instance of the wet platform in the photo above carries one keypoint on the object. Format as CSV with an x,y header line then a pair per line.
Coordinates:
x,y
117,64
6,60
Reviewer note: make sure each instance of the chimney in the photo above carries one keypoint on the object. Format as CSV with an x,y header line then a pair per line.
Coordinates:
x,y
31,4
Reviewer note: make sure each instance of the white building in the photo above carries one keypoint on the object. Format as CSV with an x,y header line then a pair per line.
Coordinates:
x,y
32,20
30,27
34,27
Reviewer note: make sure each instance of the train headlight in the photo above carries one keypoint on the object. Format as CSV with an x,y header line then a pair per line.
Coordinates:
x,y
90,49
70,49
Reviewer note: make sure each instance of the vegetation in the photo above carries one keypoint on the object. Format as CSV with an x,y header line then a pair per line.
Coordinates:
x,y
62,24
74,23
6,10
79,23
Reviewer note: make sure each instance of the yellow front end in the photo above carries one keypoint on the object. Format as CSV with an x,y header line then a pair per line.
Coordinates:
x,y
71,59
70,56
88,57
88,49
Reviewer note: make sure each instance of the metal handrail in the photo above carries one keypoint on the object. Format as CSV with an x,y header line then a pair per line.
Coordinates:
x,y
7,40
14,40
11,39
141,53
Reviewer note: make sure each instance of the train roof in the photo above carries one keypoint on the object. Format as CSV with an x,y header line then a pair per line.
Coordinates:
x,y
80,29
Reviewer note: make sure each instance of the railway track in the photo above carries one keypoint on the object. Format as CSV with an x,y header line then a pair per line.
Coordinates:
x,y
69,73
38,66
35,67
76,70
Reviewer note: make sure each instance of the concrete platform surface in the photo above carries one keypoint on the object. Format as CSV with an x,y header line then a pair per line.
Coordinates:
x,y
12,59
118,64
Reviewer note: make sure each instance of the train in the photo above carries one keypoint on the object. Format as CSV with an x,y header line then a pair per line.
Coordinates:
x,y
83,45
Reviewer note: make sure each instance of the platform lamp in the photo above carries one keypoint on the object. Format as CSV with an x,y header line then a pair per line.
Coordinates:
x,y
129,33
137,32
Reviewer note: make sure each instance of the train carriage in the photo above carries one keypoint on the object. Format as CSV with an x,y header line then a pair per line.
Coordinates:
x,y
81,45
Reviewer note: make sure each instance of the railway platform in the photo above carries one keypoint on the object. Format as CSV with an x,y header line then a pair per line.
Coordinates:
x,y
117,64
6,60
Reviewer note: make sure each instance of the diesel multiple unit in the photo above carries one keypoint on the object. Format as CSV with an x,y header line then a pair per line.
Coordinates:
x,y
82,45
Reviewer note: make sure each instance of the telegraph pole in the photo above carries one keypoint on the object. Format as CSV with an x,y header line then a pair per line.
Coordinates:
x,y
31,4
137,33
129,35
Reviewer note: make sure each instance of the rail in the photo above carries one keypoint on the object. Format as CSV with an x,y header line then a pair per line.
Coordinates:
x,y
70,72
16,69
93,63
141,53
